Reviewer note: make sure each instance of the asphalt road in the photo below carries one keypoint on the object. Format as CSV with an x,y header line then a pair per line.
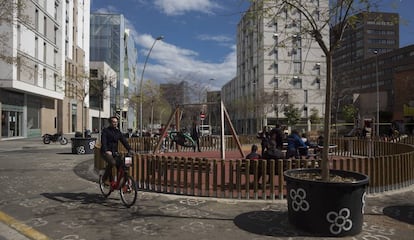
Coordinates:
x,y
49,193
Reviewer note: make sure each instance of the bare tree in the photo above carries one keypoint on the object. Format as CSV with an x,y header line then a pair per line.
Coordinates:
x,y
8,9
77,88
99,90
153,102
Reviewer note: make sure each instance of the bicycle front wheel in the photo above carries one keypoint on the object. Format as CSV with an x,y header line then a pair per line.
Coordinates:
x,y
129,192
105,187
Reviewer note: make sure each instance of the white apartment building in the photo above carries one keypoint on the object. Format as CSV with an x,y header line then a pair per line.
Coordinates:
x,y
99,94
278,64
42,38
73,110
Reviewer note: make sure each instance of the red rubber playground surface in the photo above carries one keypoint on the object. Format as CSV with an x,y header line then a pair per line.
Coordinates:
x,y
233,154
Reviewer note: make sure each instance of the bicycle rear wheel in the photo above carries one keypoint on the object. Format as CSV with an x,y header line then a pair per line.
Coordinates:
x,y
105,187
129,192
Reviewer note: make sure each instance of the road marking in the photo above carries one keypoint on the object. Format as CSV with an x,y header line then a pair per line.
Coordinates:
x,y
21,227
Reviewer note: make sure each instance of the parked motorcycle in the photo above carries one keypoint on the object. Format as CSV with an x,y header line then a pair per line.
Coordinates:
x,y
57,137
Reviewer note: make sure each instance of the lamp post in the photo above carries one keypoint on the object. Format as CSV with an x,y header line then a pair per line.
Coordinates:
x,y
140,84
377,83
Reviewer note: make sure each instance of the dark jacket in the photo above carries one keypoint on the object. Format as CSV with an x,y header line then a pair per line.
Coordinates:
x,y
195,133
110,138
253,156
279,137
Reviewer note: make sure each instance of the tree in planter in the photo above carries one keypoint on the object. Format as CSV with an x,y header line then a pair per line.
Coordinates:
x,y
333,208
292,114
349,112
314,116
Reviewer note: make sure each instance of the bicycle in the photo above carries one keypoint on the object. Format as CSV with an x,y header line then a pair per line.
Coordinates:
x,y
127,189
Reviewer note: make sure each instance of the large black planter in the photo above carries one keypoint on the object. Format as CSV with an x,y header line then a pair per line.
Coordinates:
x,y
83,145
326,208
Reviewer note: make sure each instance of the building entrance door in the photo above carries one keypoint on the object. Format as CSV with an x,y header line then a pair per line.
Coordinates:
x,y
11,124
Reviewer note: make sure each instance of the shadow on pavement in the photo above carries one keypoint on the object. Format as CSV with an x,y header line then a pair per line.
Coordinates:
x,y
268,223
82,198
84,170
85,198
67,153
400,213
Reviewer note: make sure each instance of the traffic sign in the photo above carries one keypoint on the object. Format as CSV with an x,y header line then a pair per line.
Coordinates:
x,y
202,116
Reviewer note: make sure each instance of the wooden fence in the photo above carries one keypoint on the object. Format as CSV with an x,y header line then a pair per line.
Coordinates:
x,y
207,143
389,165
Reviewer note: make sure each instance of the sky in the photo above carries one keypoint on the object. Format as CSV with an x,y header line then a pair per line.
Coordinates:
x,y
199,44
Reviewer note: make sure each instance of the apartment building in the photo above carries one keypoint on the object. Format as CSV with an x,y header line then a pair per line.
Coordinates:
x,y
102,79
384,74
32,73
112,43
366,65
74,107
374,33
278,64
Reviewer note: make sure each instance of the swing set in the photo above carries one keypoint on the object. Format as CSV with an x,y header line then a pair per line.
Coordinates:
x,y
184,139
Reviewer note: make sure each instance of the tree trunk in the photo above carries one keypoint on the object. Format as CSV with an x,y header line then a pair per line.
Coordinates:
x,y
327,120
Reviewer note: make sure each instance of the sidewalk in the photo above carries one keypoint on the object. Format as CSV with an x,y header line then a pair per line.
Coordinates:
x,y
7,145
15,144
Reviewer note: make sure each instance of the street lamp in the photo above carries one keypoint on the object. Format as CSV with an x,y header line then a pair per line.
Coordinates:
x,y
376,79
140,84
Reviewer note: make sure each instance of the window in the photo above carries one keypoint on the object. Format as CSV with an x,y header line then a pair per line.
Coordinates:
x,y
297,55
56,10
318,82
19,67
36,47
74,117
297,67
55,57
55,81
44,52
36,74
55,35
37,20
275,67
297,82
44,77
318,68
306,95
44,26
93,73
66,47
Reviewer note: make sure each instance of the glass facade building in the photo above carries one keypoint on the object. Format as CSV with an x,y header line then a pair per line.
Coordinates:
x,y
111,42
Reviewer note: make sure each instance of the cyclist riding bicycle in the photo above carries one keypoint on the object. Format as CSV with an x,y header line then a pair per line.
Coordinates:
x,y
110,137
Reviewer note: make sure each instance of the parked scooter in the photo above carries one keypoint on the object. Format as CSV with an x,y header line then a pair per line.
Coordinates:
x,y
57,137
